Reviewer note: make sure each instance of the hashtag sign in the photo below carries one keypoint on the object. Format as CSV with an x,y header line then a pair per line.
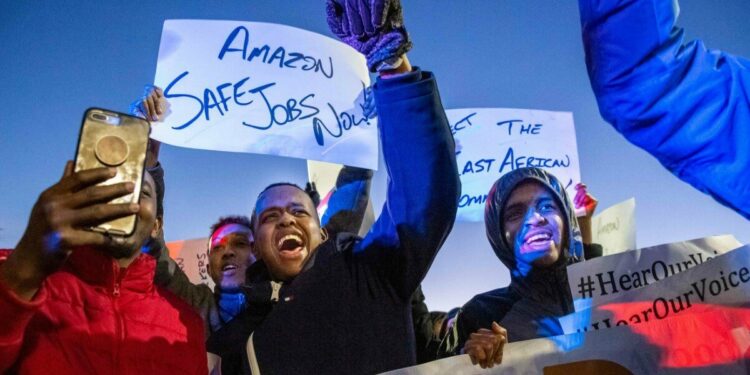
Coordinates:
x,y
586,286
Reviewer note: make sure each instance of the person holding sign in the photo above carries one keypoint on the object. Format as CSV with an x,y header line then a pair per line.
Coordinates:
x,y
532,227
343,306
76,301
231,238
686,105
152,106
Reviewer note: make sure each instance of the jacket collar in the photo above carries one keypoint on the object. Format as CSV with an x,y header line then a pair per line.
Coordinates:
x,y
99,269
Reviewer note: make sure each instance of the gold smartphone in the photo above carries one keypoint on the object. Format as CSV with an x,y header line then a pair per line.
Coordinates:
x,y
116,140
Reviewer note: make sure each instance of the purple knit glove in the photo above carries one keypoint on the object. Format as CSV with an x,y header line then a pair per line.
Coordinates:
x,y
375,28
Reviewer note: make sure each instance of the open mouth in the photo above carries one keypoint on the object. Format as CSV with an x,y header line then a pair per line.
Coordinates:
x,y
291,246
536,241
229,269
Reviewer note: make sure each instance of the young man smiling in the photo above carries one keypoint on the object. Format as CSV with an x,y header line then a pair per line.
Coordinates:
x,y
231,238
230,252
288,229
534,224
343,304
532,227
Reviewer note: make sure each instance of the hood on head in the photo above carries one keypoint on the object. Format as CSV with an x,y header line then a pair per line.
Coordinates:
x,y
493,213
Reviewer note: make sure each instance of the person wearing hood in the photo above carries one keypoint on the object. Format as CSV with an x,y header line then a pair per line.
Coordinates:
x,y
532,227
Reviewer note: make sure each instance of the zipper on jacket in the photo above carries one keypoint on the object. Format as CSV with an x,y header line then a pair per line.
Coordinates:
x,y
119,323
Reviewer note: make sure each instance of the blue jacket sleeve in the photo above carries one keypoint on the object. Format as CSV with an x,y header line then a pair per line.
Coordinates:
x,y
686,105
348,202
423,185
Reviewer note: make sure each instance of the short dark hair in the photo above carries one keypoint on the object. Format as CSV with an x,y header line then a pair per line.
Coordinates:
x,y
157,174
277,184
253,217
232,219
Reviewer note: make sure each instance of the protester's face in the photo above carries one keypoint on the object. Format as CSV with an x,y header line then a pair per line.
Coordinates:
x,y
230,254
146,226
287,230
533,222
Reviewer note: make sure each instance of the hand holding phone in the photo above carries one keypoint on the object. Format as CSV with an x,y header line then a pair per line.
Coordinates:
x,y
114,140
55,226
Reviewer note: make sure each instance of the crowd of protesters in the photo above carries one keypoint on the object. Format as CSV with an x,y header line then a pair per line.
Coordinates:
x,y
298,293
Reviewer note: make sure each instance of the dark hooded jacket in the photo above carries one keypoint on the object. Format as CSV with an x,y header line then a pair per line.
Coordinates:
x,y
529,307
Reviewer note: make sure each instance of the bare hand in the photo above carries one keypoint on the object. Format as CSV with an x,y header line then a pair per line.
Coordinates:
x,y
152,106
57,226
405,67
485,347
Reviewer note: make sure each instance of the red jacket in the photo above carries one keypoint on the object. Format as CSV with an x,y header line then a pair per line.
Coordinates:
x,y
92,317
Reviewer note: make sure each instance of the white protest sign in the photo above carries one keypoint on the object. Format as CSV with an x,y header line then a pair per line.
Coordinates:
x,y
192,258
264,88
709,343
722,281
593,279
614,228
325,175
491,142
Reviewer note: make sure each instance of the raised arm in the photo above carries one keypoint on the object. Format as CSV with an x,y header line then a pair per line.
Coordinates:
x,y
687,106
155,107
418,149
423,185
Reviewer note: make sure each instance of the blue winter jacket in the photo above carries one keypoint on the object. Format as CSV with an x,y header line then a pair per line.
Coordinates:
x,y
686,105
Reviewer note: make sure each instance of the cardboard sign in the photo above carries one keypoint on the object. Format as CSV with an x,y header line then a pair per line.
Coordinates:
x,y
614,228
192,258
491,142
593,279
710,343
266,89
724,281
